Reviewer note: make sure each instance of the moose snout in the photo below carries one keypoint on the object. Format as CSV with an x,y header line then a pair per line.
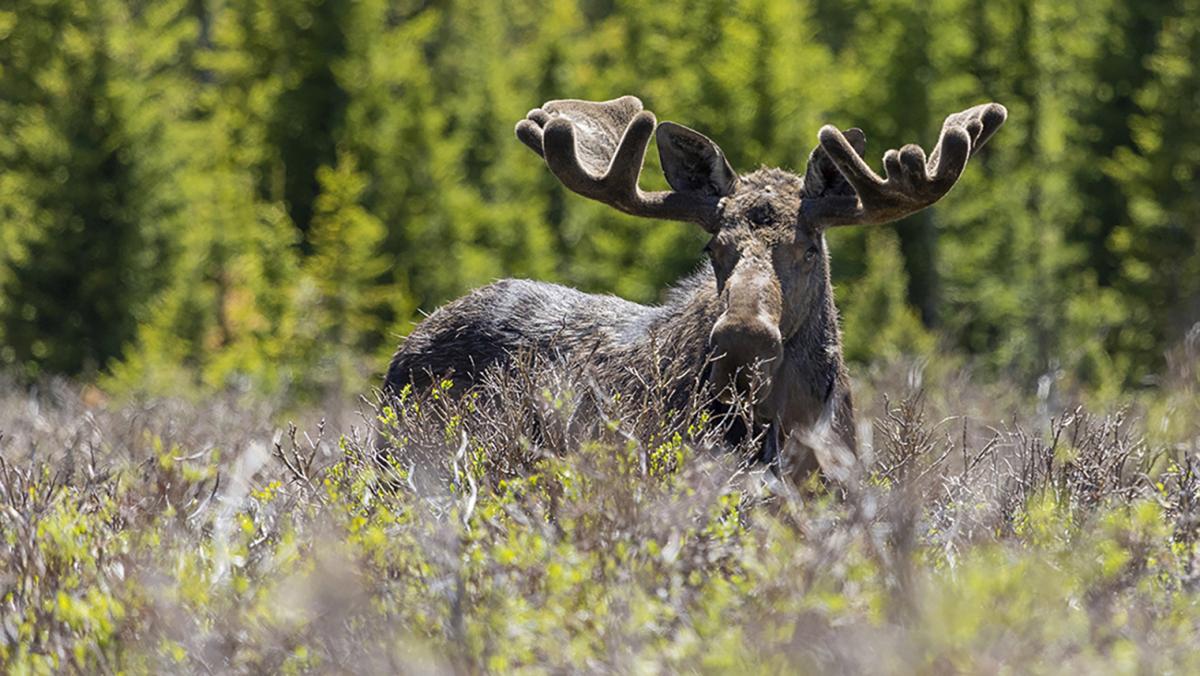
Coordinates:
x,y
747,352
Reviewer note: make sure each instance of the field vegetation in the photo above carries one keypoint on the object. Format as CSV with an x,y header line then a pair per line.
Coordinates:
x,y
502,532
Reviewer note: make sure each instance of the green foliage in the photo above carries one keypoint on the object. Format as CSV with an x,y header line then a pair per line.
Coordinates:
x,y
79,247
171,538
346,300
170,173
880,324
1157,244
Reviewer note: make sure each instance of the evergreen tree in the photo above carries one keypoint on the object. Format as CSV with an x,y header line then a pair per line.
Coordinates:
x,y
344,272
226,315
210,194
79,260
1159,246
893,50
878,322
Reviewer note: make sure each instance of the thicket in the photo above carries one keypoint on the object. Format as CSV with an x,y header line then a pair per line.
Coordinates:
x,y
500,532
205,195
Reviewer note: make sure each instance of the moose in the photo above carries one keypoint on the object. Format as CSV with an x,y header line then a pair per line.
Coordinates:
x,y
758,320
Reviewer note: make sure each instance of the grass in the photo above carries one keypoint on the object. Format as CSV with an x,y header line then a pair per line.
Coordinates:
x,y
529,528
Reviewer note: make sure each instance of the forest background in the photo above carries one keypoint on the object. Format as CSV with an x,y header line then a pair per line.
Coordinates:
x,y
263,196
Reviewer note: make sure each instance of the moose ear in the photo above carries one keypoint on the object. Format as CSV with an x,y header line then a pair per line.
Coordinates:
x,y
823,179
693,163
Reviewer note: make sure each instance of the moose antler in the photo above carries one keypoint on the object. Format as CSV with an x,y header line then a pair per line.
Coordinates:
x,y
912,182
596,149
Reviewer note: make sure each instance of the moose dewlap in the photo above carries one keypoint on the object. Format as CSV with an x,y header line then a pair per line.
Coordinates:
x,y
758,322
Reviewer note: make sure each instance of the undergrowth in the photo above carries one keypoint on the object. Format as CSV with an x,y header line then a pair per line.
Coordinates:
x,y
540,526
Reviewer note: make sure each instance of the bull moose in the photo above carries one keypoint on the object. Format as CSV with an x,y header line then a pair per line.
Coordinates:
x,y
759,319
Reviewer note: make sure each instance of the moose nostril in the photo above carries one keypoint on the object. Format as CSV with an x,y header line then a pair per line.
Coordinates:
x,y
745,342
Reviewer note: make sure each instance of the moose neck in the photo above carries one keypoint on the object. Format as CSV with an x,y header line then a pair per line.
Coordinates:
x,y
812,372
817,328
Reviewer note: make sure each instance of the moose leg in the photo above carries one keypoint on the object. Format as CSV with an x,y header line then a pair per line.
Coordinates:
x,y
769,455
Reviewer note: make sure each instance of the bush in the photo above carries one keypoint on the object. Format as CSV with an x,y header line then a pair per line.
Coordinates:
x,y
501,531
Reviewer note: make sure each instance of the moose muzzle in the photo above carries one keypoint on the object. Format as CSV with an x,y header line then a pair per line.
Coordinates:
x,y
747,345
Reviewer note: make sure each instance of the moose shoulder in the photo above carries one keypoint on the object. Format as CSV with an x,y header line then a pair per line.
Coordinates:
x,y
759,320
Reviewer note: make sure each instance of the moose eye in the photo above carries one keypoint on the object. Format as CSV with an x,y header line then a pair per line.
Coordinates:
x,y
811,253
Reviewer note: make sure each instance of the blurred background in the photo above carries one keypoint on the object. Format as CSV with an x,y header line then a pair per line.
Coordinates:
x,y
198,195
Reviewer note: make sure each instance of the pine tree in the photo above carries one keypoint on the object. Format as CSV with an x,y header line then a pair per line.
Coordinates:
x,y
878,323
225,315
1159,246
79,260
344,272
